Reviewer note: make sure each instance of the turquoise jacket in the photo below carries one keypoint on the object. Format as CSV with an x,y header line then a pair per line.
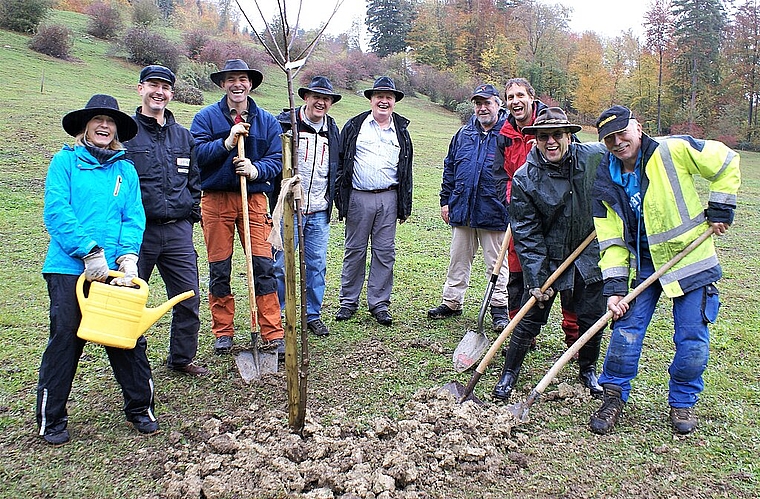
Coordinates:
x,y
87,204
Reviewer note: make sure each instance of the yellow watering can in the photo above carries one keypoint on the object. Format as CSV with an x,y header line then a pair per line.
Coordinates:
x,y
115,316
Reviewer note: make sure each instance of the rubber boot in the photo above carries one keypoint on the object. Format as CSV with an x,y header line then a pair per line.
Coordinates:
x,y
513,359
587,358
500,317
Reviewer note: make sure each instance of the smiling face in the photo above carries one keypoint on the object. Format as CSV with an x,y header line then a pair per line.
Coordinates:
x,y
625,144
101,131
520,104
486,111
382,104
317,106
155,95
237,85
553,143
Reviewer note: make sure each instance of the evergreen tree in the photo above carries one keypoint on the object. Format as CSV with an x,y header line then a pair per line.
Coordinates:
x,y
389,22
697,35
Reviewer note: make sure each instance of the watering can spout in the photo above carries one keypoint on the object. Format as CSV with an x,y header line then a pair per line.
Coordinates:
x,y
151,315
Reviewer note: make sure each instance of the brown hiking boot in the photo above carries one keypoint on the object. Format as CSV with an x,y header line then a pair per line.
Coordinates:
x,y
603,421
683,419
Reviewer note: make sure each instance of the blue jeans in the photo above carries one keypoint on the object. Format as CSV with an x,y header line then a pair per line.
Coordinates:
x,y
316,232
692,313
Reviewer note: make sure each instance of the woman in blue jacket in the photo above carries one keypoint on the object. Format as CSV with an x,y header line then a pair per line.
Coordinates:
x,y
94,215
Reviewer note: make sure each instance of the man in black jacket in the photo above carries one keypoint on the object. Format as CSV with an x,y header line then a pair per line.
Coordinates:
x,y
550,213
162,152
374,189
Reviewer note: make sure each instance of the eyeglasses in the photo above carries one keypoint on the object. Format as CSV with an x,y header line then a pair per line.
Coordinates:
x,y
543,137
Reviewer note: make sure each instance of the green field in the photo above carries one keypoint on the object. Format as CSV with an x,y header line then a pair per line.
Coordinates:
x,y
106,459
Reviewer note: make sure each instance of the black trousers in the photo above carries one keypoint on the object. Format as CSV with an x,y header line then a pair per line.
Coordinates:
x,y
170,248
61,357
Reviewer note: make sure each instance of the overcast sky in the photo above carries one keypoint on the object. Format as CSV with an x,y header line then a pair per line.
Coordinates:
x,y
608,18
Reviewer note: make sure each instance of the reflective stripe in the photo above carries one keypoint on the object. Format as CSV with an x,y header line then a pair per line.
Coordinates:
x,y
723,198
675,185
152,391
676,231
616,241
615,272
43,406
689,270
729,157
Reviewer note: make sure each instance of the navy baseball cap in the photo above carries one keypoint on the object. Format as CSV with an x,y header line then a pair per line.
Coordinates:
x,y
613,120
156,72
486,91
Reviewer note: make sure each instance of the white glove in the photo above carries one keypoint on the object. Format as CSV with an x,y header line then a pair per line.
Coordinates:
x,y
95,265
128,265
243,166
236,131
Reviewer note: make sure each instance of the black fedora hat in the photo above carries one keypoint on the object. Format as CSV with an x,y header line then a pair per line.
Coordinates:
x,y
237,66
550,118
384,84
320,85
99,104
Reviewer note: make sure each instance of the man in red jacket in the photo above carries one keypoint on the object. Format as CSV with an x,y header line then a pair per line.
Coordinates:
x,y
512,148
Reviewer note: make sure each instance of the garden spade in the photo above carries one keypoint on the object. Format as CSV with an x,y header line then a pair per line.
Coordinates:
x,y
520,409
474,343
465,393
253,363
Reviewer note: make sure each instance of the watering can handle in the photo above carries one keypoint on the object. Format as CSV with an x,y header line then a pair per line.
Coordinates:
x,y
111,273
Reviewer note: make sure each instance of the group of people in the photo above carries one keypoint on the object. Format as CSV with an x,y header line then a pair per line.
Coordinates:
x,y
127,195
528,172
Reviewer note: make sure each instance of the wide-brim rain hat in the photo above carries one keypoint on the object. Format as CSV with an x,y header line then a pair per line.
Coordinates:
x,y
551,118
75,122
237,66
384,84
320,85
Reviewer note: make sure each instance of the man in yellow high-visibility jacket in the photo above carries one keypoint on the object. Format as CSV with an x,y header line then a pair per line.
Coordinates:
x,y
646,211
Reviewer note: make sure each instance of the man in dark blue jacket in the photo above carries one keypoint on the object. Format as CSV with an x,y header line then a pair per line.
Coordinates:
x,y
162,152
217,129
473,202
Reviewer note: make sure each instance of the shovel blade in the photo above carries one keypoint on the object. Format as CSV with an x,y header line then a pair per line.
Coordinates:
x,y
252,367
520,410
458,389
469,350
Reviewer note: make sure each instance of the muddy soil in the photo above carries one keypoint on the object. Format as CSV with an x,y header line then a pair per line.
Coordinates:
x,y
435,448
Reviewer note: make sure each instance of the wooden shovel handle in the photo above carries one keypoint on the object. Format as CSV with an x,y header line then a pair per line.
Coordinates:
x,y
481,369
603,320
529,304
502,254
247,241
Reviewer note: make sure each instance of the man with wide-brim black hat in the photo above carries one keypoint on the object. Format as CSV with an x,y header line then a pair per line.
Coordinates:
x,y
550,214
217,129
94,215
318,155
374,190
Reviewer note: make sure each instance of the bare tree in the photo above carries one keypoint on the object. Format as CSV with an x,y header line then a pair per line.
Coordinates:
x,y
280,47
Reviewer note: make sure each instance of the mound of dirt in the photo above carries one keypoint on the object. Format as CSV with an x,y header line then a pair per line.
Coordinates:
x,y
436,448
